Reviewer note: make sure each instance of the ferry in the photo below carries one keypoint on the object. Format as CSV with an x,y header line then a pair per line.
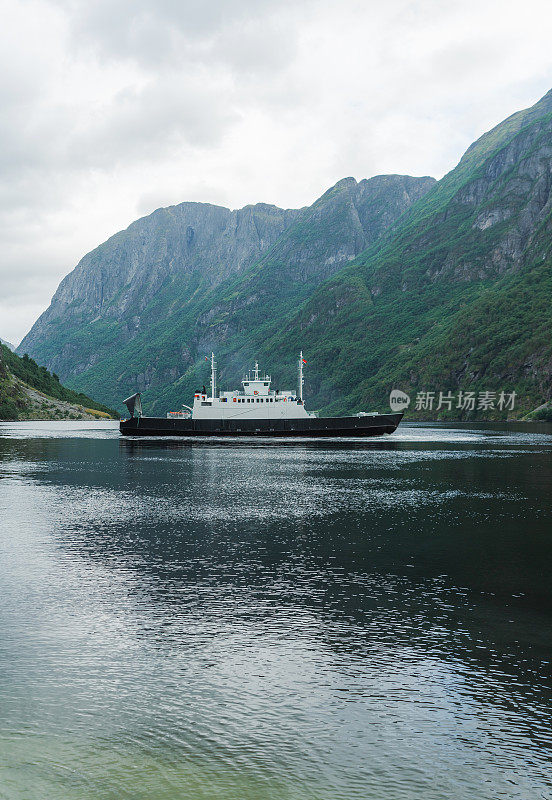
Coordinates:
x,y
254,410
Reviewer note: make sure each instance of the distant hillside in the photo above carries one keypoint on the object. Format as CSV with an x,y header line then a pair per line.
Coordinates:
x,y
28,391
392,282
139,311
458,296
3,341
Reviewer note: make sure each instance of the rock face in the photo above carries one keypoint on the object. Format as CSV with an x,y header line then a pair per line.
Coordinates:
x,y
329,235
139,310
457,296
196,244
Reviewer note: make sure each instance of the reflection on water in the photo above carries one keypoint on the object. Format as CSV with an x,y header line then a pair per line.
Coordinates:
x,y
235,619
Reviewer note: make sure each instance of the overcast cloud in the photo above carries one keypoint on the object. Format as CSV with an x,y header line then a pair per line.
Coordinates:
x,y
113,108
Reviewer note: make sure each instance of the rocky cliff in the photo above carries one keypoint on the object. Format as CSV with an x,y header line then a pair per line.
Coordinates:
x,y
113,291
139,310
458,295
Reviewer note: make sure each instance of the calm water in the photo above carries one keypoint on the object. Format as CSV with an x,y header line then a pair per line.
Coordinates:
x,y
248,620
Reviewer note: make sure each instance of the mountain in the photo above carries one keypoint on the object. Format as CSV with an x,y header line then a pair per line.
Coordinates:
x,y
3,341
393,282
118,291
28,391
458,296
140,310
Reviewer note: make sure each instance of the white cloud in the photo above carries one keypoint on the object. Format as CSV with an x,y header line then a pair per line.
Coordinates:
x,y
113,108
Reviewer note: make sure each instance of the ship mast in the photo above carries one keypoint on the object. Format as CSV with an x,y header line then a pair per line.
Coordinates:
x,y
213,376
301,381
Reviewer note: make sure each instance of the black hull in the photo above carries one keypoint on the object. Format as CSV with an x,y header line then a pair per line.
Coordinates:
x,y
315,426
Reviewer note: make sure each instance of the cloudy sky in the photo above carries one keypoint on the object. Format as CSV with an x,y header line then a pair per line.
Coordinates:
x,y
112,108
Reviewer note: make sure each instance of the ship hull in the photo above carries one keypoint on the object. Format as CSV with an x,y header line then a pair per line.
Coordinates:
x,y
376,425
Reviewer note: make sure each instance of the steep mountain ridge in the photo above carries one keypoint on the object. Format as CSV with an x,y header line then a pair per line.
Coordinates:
x,y
113,292
110,327
342,223
458,296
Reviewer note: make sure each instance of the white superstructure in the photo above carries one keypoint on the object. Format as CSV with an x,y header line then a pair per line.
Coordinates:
x,y
255,401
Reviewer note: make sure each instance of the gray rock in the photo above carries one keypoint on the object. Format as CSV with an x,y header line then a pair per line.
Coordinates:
x,y
184,275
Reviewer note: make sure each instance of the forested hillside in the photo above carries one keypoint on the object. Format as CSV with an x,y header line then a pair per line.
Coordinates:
x,y
28,391
458,297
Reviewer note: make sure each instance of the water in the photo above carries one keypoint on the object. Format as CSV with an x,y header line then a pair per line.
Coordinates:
x,y
243,620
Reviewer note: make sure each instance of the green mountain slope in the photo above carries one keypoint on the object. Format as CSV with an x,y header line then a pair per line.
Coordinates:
x,y
140,311
458,297
120,290
394,282
28,391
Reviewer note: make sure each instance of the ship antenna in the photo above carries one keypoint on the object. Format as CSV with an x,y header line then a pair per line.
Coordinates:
x,y
301,381
213,375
